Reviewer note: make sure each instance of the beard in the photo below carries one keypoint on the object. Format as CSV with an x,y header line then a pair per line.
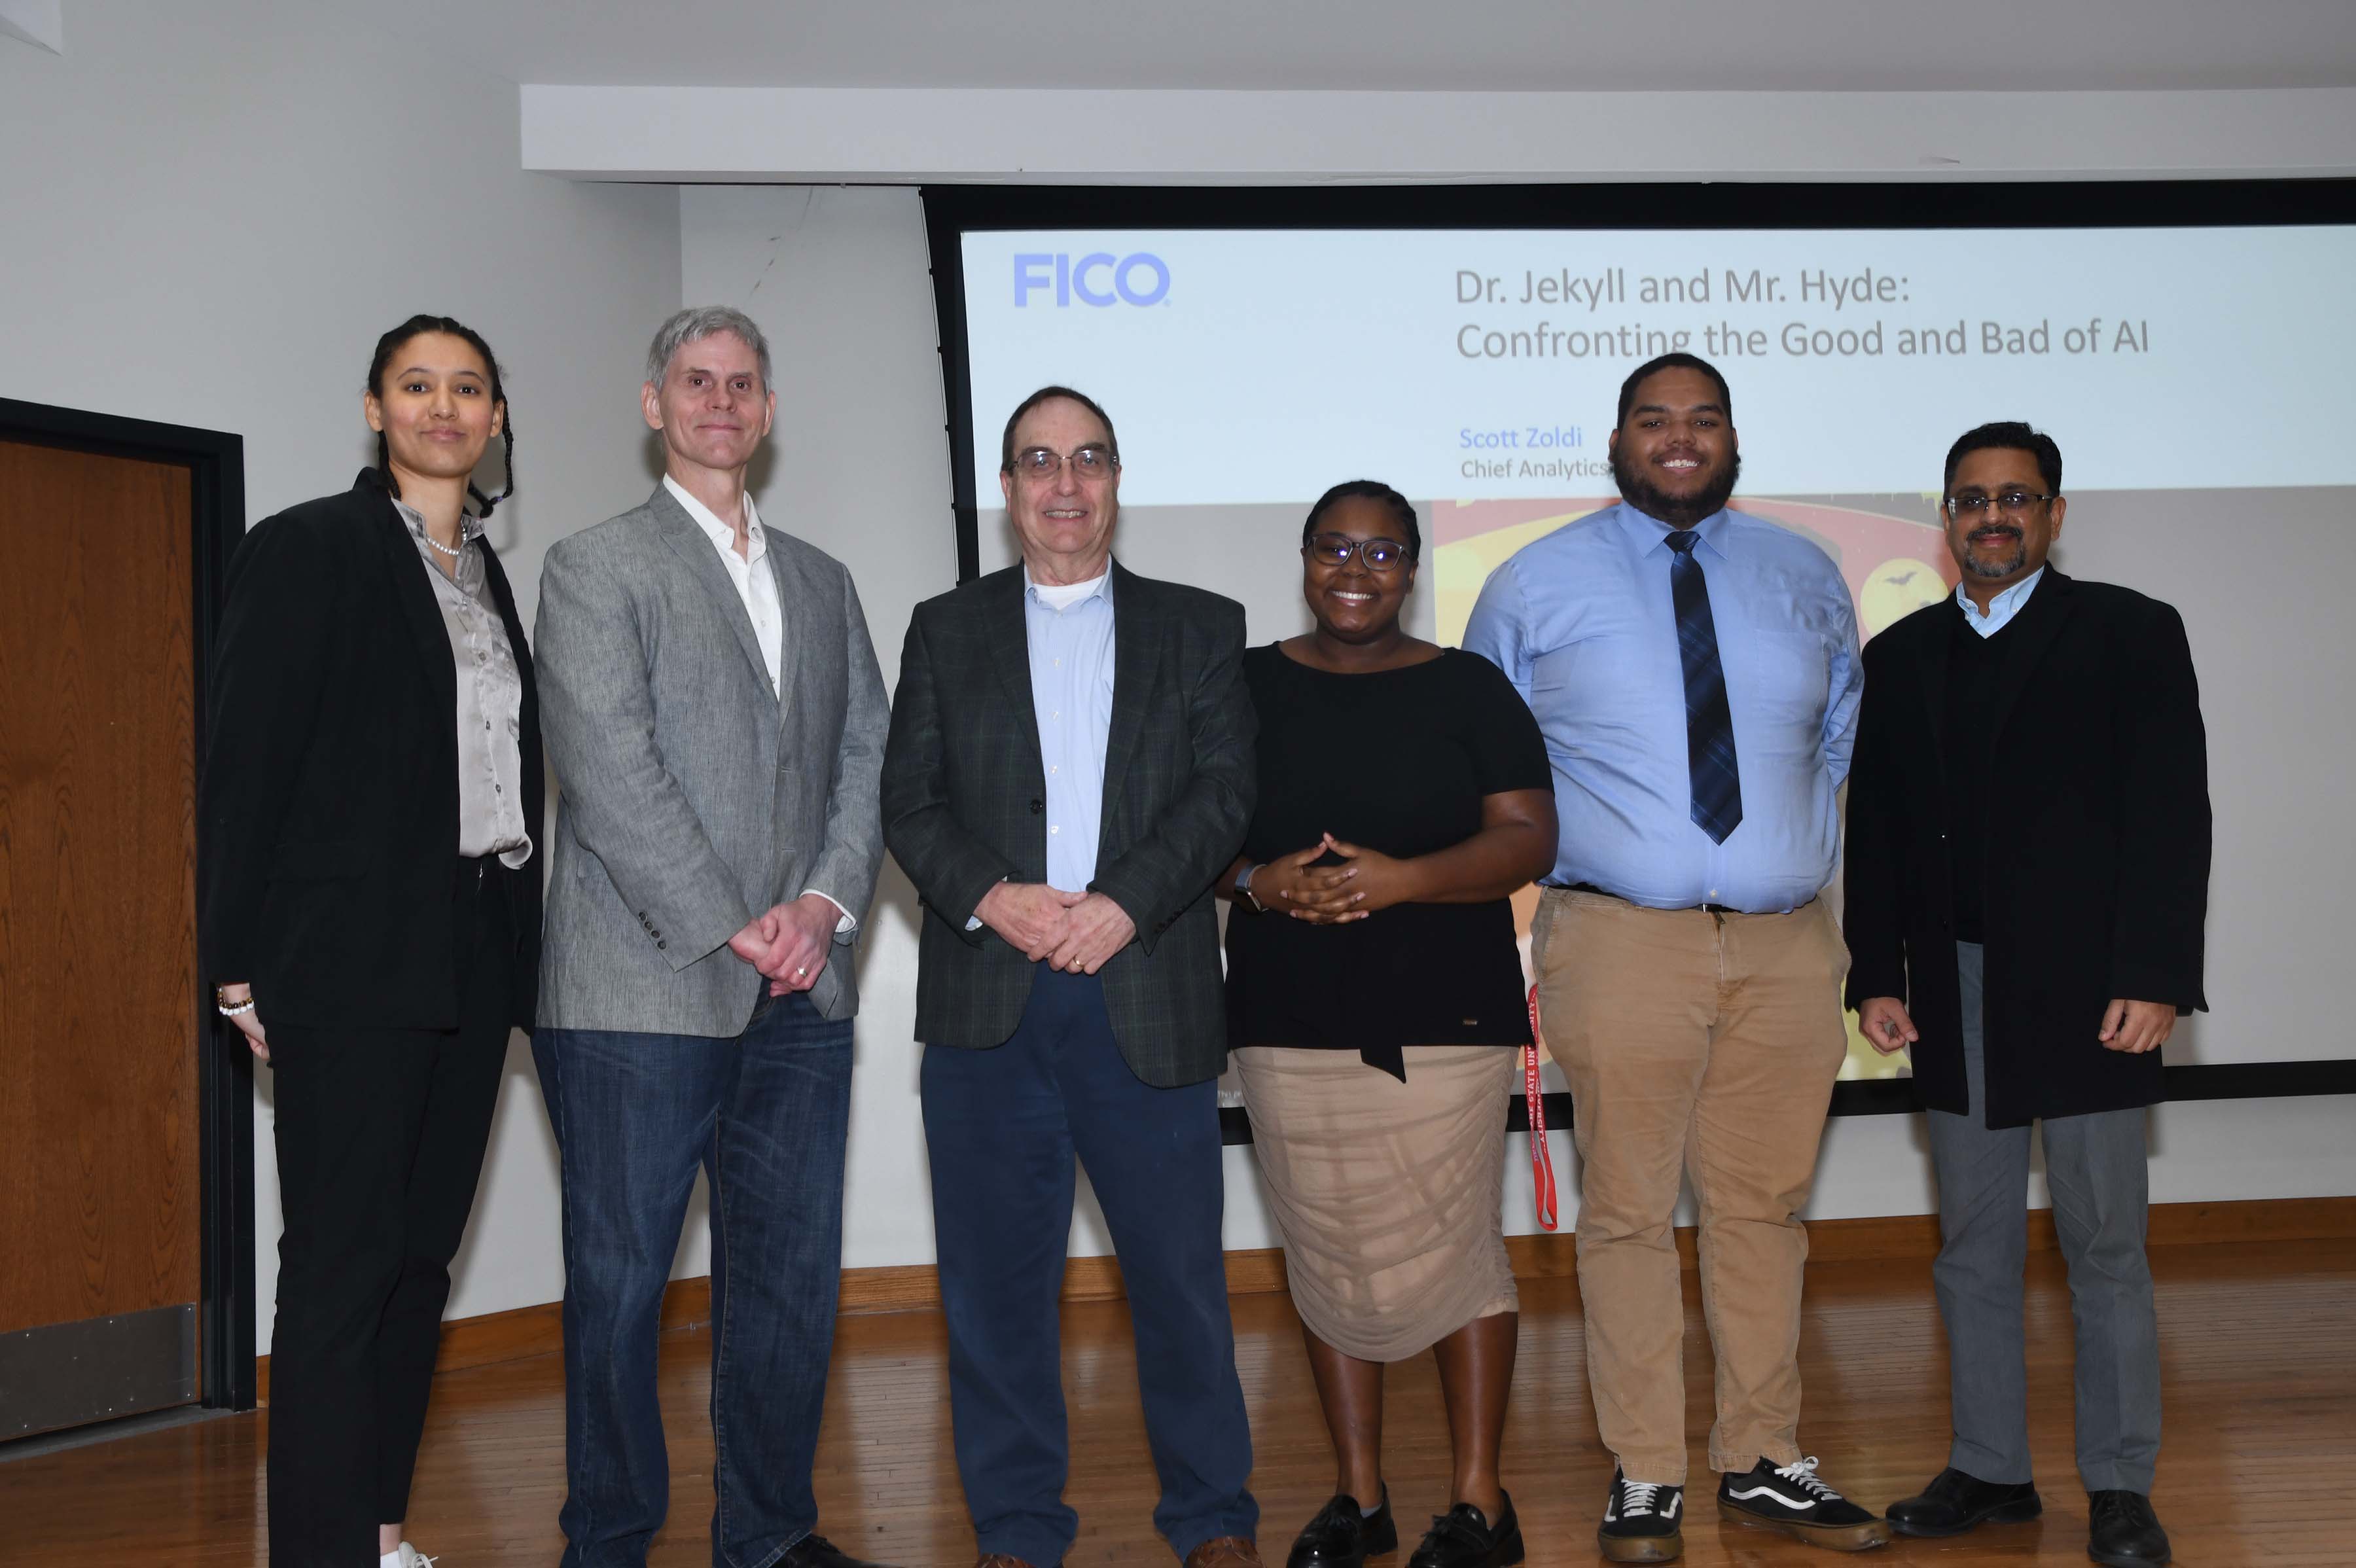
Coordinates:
x,y
2000,568
1638,490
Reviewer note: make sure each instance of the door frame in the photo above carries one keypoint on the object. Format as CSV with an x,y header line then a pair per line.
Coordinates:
x,y
216,463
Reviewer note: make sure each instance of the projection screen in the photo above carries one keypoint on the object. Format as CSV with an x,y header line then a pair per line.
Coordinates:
x,y
2188,345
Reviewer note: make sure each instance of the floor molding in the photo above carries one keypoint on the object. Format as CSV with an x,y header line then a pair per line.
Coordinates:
x,y
914,1287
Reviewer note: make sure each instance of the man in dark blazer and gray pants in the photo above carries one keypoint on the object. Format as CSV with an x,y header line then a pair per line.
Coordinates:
x,y
1070,766
716,720
2028,875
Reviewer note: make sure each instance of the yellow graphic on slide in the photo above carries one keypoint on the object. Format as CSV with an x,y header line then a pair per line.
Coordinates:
x,y
1894,565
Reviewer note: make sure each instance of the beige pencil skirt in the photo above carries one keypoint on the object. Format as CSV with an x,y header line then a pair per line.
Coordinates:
x,y
1387,1193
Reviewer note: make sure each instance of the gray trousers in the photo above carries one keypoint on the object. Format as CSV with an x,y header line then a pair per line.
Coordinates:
x,y
2095,1166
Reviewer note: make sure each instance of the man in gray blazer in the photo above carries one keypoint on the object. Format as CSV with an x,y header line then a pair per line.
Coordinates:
x,y
1070,766
715,718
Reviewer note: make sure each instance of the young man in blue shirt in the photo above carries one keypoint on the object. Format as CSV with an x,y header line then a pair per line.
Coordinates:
x,y
1695,671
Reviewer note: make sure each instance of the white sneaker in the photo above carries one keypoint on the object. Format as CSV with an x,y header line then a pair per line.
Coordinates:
x,y
405,1556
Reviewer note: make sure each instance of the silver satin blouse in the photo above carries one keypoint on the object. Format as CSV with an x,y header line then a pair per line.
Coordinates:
x,y
490,696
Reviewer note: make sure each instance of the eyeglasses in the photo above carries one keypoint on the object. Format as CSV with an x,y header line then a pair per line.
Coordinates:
x,y
2011,503
1335,550
1091,462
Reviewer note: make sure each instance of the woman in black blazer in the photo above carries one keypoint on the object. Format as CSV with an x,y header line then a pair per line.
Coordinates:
x,y
369,909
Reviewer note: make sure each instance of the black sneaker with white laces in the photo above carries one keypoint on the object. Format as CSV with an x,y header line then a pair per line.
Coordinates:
x,y
1643,1522
1790,1499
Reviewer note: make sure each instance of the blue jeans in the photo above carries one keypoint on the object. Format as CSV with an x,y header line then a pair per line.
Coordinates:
x,y
764,1114
1002,1127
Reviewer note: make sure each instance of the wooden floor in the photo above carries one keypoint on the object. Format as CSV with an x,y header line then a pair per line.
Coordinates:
x,y
2259,1467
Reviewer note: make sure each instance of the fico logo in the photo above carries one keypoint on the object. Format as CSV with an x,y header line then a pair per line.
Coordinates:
x,y
1086,278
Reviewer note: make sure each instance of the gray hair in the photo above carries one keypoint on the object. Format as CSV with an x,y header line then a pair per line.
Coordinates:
x,y
695,324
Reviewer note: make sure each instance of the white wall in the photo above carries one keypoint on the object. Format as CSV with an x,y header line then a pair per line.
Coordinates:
x,y
208,213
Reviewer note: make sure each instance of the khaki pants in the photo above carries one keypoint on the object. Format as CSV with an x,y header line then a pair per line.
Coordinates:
x,y
1707,1042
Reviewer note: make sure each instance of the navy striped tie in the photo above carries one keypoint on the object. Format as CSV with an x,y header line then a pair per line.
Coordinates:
x,y
1710,723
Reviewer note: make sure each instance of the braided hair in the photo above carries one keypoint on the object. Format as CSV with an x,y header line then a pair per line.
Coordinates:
x,y
391,344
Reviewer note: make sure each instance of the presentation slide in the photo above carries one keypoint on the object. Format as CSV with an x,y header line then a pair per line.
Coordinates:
x,y
2197,378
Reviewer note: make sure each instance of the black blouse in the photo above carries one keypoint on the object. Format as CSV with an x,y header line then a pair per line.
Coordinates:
x,y
1396,760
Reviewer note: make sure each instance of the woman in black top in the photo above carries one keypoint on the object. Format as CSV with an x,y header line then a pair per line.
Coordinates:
x,y
370,804
1374,1003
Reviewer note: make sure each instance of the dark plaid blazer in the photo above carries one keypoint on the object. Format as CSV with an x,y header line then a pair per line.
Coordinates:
x,y
963,792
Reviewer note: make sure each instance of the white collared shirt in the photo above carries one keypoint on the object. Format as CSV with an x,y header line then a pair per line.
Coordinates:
x,y
2001,608
756,584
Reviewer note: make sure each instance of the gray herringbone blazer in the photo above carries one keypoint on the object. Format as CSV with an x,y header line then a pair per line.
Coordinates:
x,y
693,797
962,801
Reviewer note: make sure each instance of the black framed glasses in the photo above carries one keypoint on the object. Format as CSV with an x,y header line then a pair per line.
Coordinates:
x,y
2011,503
1335,550
1093,461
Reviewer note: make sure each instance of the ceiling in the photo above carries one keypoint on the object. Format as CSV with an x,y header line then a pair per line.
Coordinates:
x,y
1395,45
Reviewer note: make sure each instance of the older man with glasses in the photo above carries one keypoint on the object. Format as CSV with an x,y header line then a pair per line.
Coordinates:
x,y
1070,766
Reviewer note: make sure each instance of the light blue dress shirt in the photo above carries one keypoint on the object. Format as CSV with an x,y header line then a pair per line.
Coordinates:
x,y
1583,624
2001,608
1071,693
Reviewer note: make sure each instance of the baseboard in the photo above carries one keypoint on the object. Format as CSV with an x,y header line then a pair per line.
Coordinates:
x,y
527,1331
914,1287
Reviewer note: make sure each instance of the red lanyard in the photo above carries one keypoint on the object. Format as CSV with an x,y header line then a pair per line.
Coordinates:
x,y
1541,1157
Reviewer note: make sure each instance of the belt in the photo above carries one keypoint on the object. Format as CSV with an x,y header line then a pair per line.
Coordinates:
x,y
1606,892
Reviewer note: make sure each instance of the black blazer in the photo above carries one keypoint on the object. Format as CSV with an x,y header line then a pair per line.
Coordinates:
x,y
2097,843
328,813
963,786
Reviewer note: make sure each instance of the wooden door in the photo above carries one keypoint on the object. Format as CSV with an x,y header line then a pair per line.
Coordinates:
x,y
99,1226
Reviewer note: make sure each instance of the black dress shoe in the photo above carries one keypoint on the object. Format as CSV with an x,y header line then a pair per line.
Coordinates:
x,y
1463,1537
1954,1502
2123,1531
1341,1537
818,1552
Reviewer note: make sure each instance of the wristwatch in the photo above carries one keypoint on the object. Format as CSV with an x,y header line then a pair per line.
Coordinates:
x,y
1244,891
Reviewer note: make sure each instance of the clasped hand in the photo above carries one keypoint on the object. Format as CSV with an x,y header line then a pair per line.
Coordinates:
x,y
789,943
1076,932
1366,881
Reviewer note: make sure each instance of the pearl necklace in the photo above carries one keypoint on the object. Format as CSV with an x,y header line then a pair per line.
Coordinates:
x,y
447,550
